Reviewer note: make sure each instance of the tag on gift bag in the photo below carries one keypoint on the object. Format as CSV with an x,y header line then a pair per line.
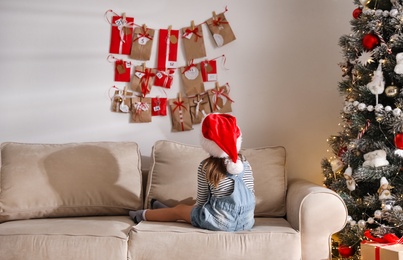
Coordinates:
x,y
168,42
209,70
193,42
142,43
181,120
158,106
121,33
164,78
142,80
219,99
199,107
192,79
122,70
141,110
220,29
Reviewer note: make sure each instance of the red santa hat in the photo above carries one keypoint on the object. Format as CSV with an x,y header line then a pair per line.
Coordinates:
x,y
222,138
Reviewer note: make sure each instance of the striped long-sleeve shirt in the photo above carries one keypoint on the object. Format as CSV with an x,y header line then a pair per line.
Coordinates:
x,y
225,186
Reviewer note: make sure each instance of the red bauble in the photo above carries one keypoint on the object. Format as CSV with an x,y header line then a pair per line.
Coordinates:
x,y
370,41
346,251
357,12
399,141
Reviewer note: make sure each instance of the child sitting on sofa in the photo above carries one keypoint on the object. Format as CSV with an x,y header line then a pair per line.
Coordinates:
x,y
225,189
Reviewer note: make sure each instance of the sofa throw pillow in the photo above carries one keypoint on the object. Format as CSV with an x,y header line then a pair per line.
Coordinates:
x,y
172,177
63,180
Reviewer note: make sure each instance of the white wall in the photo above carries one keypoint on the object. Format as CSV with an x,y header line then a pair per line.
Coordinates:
x,y
283,72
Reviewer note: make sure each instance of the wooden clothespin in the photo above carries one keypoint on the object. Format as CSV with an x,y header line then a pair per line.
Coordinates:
x,y
144,66
217,86
179,97
214,15
192,25
124,16
169,29
144,27
124,91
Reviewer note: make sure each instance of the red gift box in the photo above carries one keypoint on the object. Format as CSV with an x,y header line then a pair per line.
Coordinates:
x,y
121,35
379,251
164,78
159,106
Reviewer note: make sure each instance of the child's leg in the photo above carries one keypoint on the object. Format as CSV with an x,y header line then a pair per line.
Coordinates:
x,y
179,212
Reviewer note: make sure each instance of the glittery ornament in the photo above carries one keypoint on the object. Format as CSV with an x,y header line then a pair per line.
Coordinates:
x,y
346,251
357,12
391,91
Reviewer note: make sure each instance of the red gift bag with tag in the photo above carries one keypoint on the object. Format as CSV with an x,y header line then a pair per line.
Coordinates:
x,y
168,49
121,34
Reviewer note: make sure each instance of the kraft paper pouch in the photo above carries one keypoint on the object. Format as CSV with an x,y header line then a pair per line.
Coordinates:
x,y
142,43
193,42
141,110
192,79
220,29
220,100
181,120
142,80
199,107
121,102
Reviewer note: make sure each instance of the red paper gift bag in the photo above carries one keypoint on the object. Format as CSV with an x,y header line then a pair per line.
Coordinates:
x,y
121,34
158,106
209,70
122,70
168,49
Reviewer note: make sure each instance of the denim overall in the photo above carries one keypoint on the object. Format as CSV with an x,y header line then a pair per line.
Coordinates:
x,y
229,213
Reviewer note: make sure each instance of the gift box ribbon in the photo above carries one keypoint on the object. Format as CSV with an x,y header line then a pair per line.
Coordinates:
x,y
387,240
195,31
219,93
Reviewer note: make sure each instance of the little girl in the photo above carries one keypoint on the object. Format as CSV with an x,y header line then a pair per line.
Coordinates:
x,y
225,191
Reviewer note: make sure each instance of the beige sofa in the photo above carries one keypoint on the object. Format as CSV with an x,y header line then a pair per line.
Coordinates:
x,y
71,201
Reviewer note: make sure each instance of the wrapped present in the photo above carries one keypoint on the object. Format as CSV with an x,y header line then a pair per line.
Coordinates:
x,y
209,70
141,110
199,107
380,251
122,70
220,29
142,43
181,120
220,99
158,106
164,78
192,79
143,79
168,48
121,34
193,42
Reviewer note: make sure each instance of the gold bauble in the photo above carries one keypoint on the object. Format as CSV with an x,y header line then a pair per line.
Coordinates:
x,y
391,91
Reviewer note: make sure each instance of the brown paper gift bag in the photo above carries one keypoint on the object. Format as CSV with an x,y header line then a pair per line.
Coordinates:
x,y
220,29
220,100
142,43
141,110
142,79
199,107
192,79
181,120
193,42
121,101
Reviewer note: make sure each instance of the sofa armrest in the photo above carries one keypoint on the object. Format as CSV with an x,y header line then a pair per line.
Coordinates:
x,y
317,212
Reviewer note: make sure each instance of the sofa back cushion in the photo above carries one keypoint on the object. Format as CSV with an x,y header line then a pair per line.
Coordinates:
x,y
173,176
62,180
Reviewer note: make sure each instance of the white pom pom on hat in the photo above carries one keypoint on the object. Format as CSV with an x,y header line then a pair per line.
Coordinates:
x,y
222,138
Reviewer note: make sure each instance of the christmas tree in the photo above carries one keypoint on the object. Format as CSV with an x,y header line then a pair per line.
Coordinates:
x,y
366,168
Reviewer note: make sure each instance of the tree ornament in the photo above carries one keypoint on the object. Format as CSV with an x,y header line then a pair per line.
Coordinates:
x,y
399,144
384,190
357,12
366,57
337,165
399,63
346,251
391,91
350,182
377,4
370,41
377,84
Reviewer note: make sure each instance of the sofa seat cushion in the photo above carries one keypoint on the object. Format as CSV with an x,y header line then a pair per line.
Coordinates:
x,y
66,238
270,238
174,181
75,179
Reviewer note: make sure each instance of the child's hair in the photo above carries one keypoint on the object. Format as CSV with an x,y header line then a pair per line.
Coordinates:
x,y
215,169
